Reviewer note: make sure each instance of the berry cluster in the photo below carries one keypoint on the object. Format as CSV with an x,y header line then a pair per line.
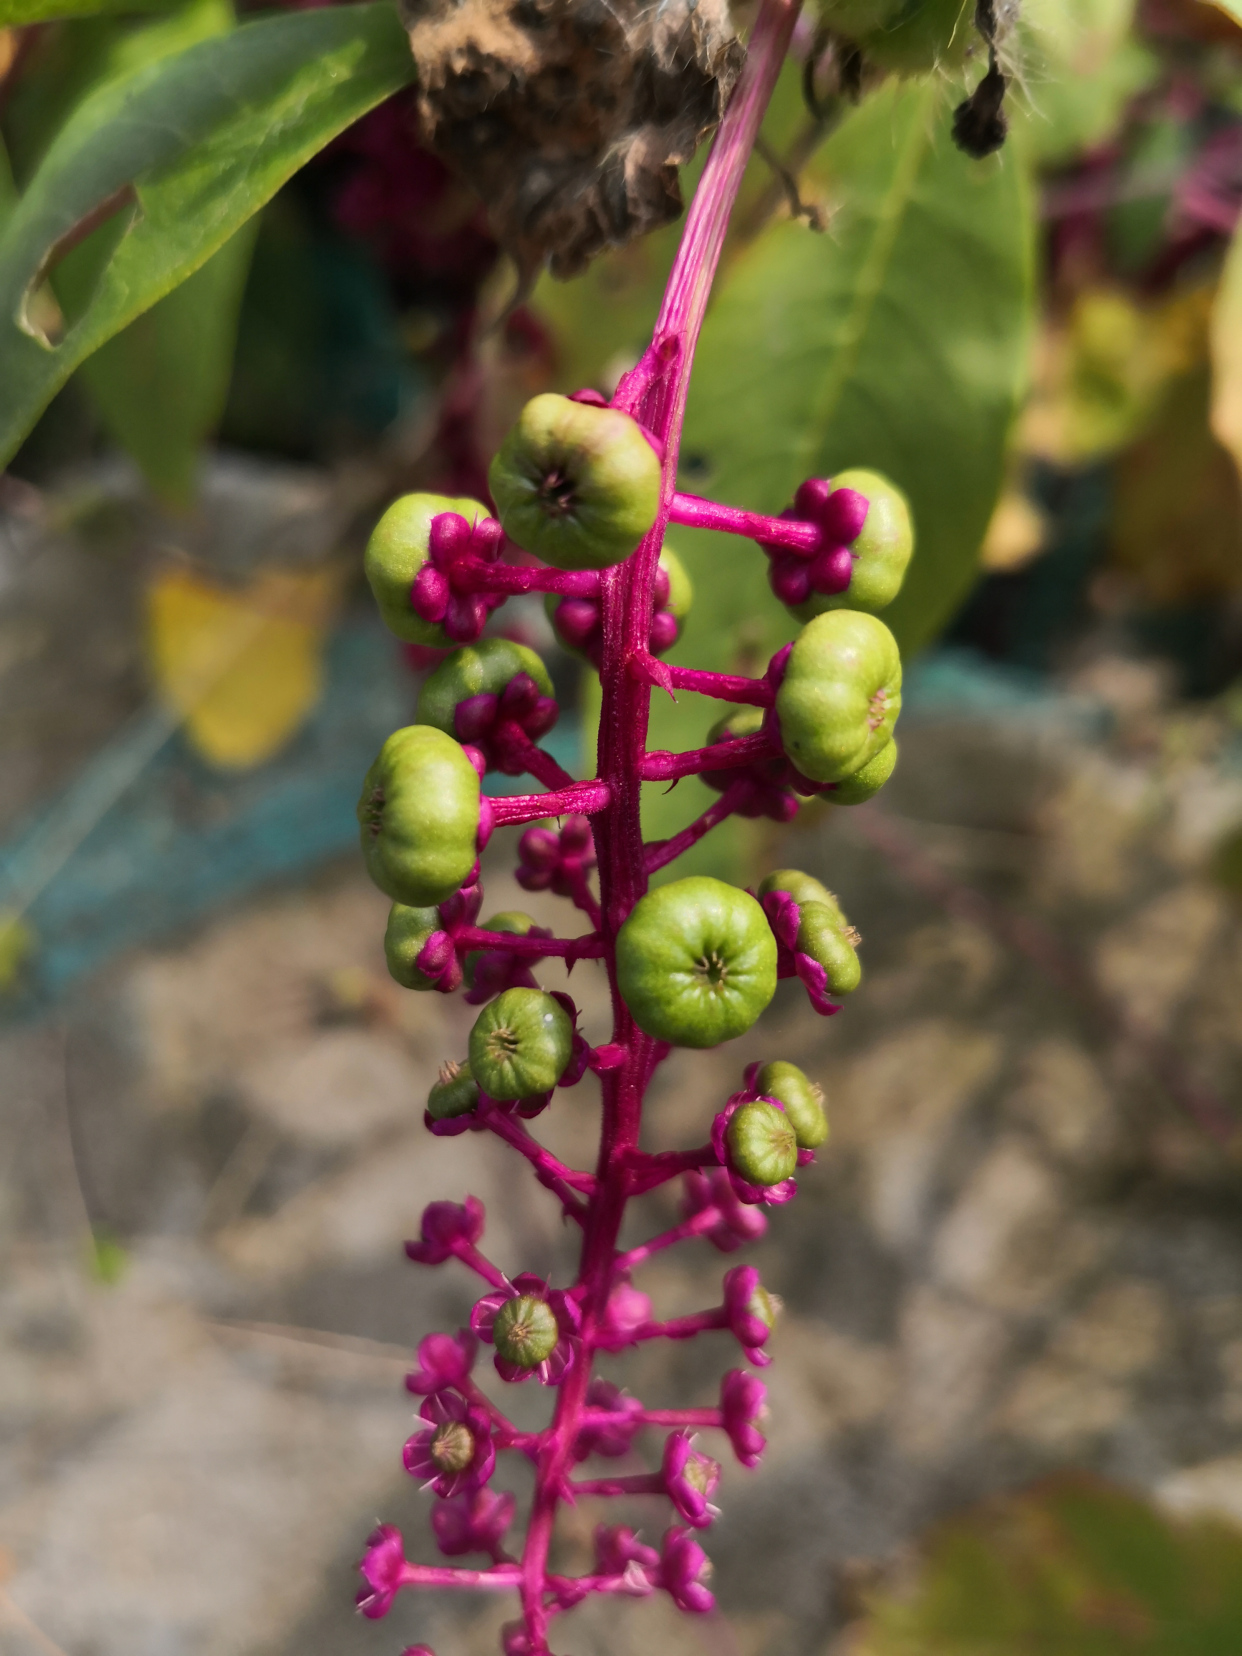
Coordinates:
x,y
588,490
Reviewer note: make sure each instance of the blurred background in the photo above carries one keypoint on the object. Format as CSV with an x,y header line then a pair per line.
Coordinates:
x,y
1007,1397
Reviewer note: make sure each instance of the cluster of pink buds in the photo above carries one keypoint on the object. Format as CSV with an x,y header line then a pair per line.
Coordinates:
x,y
584,489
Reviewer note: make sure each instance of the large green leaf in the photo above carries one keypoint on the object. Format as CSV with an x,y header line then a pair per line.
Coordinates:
x,y
16,13
899,341
184,151
1071,1568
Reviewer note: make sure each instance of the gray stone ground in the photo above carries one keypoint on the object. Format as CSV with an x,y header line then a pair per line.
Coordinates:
x,y
1015,1254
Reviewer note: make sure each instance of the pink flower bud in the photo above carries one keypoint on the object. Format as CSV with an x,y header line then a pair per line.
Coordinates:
x,y
444,1227
383,1571
690,1479
430,593
473,1522
444,1361
742,1405
663,633
684,1572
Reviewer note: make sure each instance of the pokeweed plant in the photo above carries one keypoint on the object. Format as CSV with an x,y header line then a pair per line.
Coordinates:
x,y
588,488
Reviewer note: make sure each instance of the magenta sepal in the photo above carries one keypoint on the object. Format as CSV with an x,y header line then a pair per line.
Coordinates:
x,y
690,1479
617,1549
734,1223
684,1571
553,1369
753,1194
748,1328
627,1311
474,1522
743,1404
784,917
444,1228
444,1360
445,1411
616,1420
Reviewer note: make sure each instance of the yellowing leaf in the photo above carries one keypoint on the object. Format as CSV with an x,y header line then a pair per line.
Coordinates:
x,y
16,946
1227,354
243,666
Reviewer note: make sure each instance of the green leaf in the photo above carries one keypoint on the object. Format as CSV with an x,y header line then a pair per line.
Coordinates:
x,y
160,386
1080,66
17,13
898,340
1074,1567
173,160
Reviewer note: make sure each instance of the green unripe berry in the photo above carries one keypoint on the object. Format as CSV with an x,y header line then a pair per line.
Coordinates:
x,y
881,550
525,1332
419,816
680,586
395,553
867,782
823,931
803,1100
696,962
762,1143
520,1044
832,943
841,694
452,1446
578,486
767,1307
408,929
482,669
803,888
455,1093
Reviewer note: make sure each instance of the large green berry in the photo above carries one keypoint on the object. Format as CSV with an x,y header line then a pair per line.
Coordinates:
x,y
881,551
696,962
482,669
395,553
419,814
762,1143
577,485
803,1100
408,929
867,782
520,1044
455,1093
841,694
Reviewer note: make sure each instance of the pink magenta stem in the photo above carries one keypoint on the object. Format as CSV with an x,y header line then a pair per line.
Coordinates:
x,y
702,1222
661,852
542,766
474,575
637,1483
584,798
682,1328
792,534
655,393
745,750
580,892
648,1172
470,1255
588,947
502,1577
729,687
543,1161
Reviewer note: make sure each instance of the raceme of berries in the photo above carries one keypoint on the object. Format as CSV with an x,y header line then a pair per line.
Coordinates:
x,y
586,490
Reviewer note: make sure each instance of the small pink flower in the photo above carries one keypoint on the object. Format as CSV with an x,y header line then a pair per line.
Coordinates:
x,y
444,1362
765,1195
473,1522
454,1452
627,1311
690,1479
739,1222
751,1312
383,1571
684,1570
618,1549
515,1640
551,1369
742,1406
611,1437
444,1227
